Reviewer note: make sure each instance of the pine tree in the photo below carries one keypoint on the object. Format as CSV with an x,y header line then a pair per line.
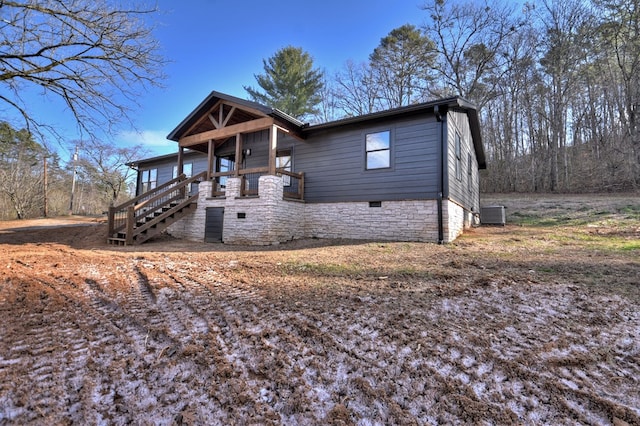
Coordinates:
x,y
401,65
289,83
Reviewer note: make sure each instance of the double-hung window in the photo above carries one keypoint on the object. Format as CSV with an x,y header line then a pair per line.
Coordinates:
x,y
148,179
225,164
187,169
378,150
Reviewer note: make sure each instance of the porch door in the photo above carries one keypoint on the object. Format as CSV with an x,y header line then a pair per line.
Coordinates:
x,y
213,225
224,164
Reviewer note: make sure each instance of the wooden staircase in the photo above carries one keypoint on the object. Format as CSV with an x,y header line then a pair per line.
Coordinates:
x,y
147,215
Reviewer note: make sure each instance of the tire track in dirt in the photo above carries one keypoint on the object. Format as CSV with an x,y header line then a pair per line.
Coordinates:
x,y
264,360
518,372
162,330
210,336
306,351
36,378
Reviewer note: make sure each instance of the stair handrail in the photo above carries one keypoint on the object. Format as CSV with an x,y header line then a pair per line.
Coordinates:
x,y
180,185
134,200
126,211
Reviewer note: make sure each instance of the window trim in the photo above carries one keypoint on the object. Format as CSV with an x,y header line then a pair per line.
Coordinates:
x,y
146,184
184,167
458,154
230,163
389,150
282,153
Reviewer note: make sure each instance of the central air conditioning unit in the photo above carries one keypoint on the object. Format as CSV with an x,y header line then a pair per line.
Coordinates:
x,y
493,215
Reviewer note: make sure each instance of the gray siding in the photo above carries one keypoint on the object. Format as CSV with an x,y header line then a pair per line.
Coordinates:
x,y
165,166
459,190
334,163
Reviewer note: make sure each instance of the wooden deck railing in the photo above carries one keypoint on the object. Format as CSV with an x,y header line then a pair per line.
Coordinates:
x,y
294,185
124,217
293,182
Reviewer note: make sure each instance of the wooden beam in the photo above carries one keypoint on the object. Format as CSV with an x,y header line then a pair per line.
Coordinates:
x,y
290,132
250,110
226,120
210,158
273,145
238,163
214,122
225,132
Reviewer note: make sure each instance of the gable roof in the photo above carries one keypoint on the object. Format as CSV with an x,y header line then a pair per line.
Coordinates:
x,y
435,107
215,97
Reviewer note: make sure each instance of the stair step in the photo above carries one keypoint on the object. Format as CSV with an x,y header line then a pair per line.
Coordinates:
x,y
117,241
171,214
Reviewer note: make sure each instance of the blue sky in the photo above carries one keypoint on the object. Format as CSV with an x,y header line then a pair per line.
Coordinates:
x,y
220,44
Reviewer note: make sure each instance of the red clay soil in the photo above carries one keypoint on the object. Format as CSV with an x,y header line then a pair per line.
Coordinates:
x,y
507,325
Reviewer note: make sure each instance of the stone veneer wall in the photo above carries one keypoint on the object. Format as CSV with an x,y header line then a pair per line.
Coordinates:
x,y
191,227
455,220
394,220
269,219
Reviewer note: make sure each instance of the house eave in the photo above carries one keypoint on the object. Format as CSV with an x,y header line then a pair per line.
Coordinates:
x,y
287,120
442,105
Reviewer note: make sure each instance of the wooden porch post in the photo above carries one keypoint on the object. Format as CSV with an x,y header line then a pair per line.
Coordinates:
x,y
181,168
238,162
273,145
180,160
210,158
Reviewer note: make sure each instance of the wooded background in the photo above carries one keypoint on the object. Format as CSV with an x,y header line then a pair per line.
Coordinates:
x,y
557,84
561,98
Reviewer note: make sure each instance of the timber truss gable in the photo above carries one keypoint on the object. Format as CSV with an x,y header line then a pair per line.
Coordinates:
x,y
222,117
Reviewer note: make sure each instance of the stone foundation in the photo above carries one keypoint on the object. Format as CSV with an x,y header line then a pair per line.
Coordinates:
x,y
393,220
269,219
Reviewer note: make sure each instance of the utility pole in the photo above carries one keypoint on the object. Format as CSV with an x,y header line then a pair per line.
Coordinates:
x,y
73,180
46,200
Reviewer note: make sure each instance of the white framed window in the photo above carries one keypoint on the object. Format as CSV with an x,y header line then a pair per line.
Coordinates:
x,y
187,169
378,150
225,164
148,180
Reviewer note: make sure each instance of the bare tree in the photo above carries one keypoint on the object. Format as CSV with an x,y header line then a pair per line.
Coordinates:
x,y
107,167
20,171
469,37
92,54
620,30
355,89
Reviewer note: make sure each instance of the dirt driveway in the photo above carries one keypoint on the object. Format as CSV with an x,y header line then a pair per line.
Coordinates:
x,y
534,323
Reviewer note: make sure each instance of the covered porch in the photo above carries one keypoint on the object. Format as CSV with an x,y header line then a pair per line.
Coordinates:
x,y
242,140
